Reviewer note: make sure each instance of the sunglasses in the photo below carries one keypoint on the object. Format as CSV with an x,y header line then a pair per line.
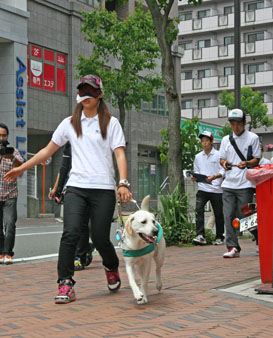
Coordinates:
x,y
87,90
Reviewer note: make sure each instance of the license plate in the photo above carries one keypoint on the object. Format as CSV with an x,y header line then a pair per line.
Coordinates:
x,y
249,223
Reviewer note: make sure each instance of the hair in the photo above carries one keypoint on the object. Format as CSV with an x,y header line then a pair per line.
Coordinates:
x,y
104,118
2,125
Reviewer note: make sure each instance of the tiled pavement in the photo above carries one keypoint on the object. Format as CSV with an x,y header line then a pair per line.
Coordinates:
x,y
190,304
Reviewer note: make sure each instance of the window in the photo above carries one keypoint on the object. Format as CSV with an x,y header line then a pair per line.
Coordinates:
x,y
204,103
204,73
203,14
186,104
93,3
255,5
255,68
255,37
228,71
203,43
228,10
228,40
46,69
149,178
185,44
186,75
184,16
158,106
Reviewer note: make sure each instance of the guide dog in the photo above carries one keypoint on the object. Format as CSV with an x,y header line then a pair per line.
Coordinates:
x,y
141,235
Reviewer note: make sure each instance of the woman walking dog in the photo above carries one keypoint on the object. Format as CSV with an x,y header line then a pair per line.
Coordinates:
x,y
94,135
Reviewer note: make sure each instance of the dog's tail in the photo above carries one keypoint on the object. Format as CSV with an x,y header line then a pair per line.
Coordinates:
x,y
145,203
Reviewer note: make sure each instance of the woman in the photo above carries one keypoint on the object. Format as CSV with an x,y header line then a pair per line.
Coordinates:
x,y
94,135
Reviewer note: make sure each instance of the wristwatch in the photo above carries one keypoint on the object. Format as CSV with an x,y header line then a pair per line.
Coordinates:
x,y
124,183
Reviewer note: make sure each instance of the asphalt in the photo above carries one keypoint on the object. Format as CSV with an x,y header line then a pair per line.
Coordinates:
x,y
203,295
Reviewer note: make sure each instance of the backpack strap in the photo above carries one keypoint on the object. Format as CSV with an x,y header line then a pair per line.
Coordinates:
x,y
232,141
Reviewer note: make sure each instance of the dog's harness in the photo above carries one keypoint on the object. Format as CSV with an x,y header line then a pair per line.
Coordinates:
x,y
140,252
147,249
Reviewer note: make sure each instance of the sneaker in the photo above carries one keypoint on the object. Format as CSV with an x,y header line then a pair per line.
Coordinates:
x,y
8,259
89,255
200,240
113,280
2,256
66,292
78,266
219,241
232,253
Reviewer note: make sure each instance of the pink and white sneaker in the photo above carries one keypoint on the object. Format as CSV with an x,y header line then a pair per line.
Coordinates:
x,y
66,292
232,253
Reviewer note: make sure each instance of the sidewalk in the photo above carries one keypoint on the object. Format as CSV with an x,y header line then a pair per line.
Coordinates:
x,y
191,304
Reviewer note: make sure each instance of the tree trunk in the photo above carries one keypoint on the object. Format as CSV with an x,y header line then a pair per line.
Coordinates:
x,y
122,112
174,154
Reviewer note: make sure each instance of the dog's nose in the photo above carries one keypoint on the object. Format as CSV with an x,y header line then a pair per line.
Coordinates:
x,y
155,232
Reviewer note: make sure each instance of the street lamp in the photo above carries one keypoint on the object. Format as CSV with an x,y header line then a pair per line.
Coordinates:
x,y
237,52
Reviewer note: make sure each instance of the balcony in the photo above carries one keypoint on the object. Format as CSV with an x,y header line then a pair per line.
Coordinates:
x,y
219,83
216,22
213,112
221,52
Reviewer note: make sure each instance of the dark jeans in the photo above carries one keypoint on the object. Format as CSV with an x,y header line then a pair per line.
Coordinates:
x,y
8,218
101,205
233,200
202,197
83,244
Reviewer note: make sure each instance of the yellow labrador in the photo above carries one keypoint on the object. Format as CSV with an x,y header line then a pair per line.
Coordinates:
x,y
142,240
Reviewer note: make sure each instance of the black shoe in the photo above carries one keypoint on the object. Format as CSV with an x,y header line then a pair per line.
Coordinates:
x,y
78,266
89,255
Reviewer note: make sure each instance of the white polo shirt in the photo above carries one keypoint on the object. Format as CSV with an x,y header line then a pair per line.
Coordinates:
x,y
209,165
92,162
236,178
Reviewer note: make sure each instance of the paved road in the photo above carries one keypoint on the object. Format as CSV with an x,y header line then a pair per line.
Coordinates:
x,y
41,240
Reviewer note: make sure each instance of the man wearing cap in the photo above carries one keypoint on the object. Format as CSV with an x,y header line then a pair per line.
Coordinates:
x,y
207,163
237,190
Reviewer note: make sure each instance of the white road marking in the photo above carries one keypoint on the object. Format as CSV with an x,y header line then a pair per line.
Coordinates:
x,y
40,233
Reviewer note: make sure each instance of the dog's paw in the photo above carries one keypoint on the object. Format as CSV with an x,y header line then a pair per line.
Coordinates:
x,y
142,300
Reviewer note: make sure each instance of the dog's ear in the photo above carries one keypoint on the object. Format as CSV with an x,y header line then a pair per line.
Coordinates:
x,y
145,203
128,226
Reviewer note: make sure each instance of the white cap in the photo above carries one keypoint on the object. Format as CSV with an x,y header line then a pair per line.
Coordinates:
x,y
236,115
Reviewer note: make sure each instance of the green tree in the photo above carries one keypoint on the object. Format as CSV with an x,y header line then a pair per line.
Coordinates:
x,y
189,139
252,104
226,130
166,33
133,46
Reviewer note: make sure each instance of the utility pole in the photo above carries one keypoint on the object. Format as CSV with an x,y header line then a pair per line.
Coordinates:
x,y
237,53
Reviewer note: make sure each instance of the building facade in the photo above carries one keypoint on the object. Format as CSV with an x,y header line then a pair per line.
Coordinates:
x,y
206,33
39,45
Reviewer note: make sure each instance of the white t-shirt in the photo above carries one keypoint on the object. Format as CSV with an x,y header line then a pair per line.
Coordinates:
x,y
236,178
209,165
92,162
264,160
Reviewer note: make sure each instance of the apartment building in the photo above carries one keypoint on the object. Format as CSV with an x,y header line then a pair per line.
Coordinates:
x,y
39,45
206,33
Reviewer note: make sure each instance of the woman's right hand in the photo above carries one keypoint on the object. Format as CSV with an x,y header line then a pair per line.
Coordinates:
x,y
13,174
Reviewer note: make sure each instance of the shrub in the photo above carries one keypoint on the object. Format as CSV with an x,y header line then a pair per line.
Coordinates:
x,y
175,219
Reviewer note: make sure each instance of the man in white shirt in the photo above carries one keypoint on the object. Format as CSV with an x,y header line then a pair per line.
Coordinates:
x,y
237,189
207,163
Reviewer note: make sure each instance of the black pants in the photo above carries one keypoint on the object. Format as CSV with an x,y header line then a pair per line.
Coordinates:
x,y
202,197
101,205
83,244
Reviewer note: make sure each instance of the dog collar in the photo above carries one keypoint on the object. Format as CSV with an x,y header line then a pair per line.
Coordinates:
x,y
147,249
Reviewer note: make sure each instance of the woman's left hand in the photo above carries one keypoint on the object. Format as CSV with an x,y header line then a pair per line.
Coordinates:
x,y
124,194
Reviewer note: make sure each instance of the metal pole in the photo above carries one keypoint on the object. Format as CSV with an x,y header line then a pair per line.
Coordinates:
x,y
237,52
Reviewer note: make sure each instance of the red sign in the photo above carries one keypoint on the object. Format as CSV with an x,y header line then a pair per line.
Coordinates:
x,y
49,77
61,59
61,80
36,70
49,55
36,52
